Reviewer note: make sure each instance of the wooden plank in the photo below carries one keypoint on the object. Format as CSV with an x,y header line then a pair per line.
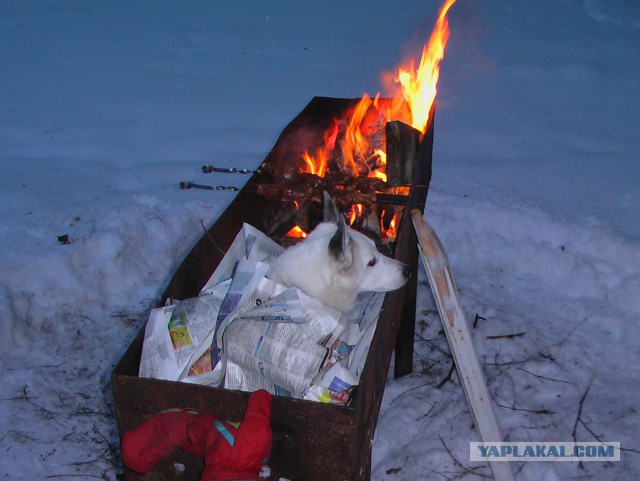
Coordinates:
x,y
458,334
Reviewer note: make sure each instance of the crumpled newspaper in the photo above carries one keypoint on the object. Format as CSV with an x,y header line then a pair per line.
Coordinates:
x,y
244,331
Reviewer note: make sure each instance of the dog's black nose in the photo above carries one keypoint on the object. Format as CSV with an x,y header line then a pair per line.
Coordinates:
x,y
406,272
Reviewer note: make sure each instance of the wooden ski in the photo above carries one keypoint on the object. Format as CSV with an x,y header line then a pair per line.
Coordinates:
x,y
436,264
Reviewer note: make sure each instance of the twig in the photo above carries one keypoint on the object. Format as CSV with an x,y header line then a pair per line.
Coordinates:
x,y
534,411
408,391
507,336
629,450
44,366
91,413
478,318
581,405
546,354
433,345
426,415
515,361
545,377
579,416
448,376
73,476
460,464
111,449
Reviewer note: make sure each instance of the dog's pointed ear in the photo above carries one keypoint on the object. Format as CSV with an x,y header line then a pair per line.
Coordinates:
x,y
330,212
340,245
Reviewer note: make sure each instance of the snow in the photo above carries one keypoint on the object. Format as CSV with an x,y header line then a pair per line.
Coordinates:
x,y
106,107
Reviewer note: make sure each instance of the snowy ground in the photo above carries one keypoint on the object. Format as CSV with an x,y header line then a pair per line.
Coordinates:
x,y
105,107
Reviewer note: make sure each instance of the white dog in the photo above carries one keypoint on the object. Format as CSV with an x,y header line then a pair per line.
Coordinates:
x,y
335,263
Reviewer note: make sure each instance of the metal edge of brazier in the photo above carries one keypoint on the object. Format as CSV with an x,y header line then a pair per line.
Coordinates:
x,y
421,178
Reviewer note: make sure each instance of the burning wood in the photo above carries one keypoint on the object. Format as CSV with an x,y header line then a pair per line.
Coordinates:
x,y
345,189
402,147
355,175
371,149
367,151
303,215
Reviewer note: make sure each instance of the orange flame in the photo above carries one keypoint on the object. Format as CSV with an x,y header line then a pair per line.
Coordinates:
x,y
354,144
296,233
380,173
412,91
356,211
391,232
316,165
418,87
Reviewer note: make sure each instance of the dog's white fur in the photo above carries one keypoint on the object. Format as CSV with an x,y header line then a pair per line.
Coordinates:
x,y
335,263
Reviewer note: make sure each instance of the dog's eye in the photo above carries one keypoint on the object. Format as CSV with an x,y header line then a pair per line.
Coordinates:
x,y
372,262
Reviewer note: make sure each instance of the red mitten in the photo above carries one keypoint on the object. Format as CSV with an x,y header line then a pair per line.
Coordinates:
x,y
233,453
160,435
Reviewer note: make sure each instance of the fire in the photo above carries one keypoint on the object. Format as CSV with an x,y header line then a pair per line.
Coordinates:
x,y
412,91
419,86
296,233
356,211
316,165
391,233
355,143
380,172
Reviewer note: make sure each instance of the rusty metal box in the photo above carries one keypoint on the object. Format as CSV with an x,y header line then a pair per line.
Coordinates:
x,y
312,441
